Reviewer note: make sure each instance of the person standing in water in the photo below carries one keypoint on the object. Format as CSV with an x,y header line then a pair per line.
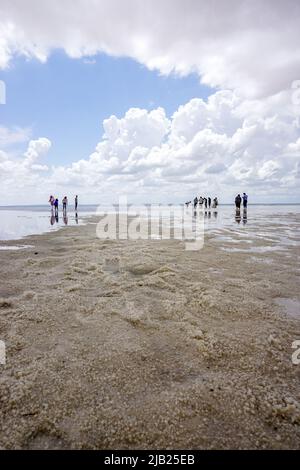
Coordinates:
x,y
65,203
76,203
209,202
195,202
51,201
215,203
238,201
245,200
56,207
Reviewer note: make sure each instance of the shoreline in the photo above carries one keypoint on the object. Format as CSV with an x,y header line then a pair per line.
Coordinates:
x,y
141,344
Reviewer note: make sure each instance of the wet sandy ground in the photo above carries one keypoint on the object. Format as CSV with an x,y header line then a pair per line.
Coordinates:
x,y
141,344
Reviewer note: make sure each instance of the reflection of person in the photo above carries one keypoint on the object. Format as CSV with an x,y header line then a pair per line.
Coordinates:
x,y
238,215
76,217
65,218
76,203
52,219
245,218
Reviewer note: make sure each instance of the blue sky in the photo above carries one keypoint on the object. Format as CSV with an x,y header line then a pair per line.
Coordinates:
x,y
68,68
67,99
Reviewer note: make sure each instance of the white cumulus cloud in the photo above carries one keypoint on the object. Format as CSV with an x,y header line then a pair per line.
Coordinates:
x,y
149,156
252,46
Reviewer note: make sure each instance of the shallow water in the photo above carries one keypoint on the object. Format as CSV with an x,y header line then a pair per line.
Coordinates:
x,y
15,247
262,228
19,222
290,306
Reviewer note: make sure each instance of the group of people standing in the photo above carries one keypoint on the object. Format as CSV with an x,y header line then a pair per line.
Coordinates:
x,y
239,199
207,202
54,203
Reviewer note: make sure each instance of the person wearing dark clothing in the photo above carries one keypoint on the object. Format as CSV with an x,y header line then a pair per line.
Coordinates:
x,y
238,201
205,203
76,203
195,202
56,207
209,202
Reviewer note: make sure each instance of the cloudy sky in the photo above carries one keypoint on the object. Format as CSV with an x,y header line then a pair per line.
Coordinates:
x,y
158,100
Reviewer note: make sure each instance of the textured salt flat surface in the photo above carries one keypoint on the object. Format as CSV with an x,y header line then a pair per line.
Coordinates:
x,y
142,344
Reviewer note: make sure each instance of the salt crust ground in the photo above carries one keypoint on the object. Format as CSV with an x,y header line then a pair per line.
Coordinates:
x,y
141,344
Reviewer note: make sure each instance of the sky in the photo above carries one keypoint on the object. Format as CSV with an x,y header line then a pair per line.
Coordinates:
x,y
158,101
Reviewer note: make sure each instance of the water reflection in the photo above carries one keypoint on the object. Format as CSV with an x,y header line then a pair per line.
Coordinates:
x,y
238,217
18,223
54,217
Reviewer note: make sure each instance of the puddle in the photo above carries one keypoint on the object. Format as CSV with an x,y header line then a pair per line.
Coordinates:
x,y
15,247
261,260
291,307
254,249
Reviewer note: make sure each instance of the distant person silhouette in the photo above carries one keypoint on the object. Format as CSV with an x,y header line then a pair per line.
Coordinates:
x,y
245,200
238,201
215,202
76,203
56,207
65,203
209,202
